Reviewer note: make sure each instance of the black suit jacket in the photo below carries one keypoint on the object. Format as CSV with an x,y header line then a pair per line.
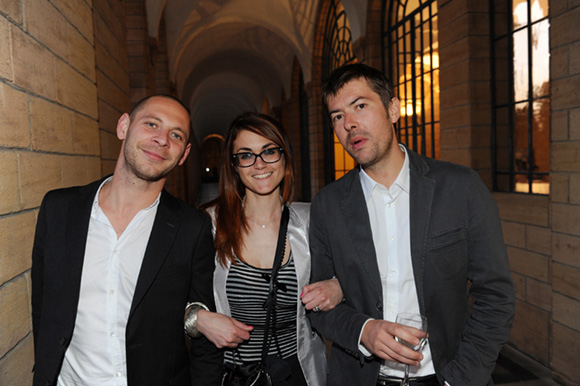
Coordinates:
x,y
177,267
456,238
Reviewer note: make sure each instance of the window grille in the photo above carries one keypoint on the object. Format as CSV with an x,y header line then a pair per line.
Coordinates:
x,y
411,56
520,71
336,51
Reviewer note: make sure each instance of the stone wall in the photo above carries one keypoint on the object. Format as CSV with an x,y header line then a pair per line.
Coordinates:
x,y
565,197
50,139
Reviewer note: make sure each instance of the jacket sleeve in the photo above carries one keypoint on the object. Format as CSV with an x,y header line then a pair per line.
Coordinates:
x,y
492,293
206,358
343,324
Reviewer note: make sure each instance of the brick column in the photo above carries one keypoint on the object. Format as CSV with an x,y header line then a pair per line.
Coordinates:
x,y
565,196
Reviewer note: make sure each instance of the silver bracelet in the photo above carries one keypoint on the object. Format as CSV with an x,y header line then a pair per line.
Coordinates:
x,y
190,319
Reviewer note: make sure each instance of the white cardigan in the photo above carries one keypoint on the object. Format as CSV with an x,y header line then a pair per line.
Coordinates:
x,y
311,348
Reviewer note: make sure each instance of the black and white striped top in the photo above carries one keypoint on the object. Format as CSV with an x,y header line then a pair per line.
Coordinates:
x,y
247,291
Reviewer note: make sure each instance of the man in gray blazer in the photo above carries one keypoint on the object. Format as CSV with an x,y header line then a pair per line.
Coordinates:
x,y
405,233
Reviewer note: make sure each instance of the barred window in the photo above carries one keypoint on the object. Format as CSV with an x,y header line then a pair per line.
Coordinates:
x,y
411,57
520,68
336,51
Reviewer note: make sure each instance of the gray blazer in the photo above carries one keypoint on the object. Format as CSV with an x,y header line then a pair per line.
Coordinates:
x,y
456,238
311,349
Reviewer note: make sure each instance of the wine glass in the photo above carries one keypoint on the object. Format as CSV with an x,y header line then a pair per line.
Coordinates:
x,y
420,323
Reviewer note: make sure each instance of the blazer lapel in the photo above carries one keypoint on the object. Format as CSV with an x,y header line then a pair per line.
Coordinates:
x,y
356,218
160,241
421,201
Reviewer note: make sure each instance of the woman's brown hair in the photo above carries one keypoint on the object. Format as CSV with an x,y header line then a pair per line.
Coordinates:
x,y
230,220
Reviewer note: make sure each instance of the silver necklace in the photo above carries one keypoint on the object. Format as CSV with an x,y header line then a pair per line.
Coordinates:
x,y
261,225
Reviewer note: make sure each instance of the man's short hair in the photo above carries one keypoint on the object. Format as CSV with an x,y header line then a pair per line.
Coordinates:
x,y
139,105
376,80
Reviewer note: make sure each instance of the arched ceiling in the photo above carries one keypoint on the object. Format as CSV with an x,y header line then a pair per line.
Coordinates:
x,y
230,56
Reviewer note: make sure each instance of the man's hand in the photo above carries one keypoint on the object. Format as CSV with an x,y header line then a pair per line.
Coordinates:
x,y
325,295
222,330
378,336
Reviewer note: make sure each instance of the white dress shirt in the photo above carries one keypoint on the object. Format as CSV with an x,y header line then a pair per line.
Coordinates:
x,y
96,354
390,224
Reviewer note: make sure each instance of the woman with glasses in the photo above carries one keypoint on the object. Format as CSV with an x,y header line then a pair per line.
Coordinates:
x,y
256,183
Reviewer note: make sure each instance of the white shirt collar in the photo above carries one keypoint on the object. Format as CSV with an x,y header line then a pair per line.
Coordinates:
x,y
402,180
105,182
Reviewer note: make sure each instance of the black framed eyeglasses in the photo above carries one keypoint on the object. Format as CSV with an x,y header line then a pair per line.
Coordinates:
x,y
269,156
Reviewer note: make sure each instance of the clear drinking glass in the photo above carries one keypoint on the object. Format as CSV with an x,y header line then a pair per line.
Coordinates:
x,y
420,323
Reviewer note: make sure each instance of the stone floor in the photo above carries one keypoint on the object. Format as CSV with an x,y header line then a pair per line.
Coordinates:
x,y
515,369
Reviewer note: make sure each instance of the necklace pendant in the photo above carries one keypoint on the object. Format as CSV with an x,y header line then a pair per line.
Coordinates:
x,y
263,226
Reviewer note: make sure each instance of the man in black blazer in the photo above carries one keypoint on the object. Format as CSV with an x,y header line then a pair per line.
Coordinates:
x,y
116,262
405,233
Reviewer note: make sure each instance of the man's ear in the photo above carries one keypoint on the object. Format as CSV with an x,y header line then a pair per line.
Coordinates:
x,y
123,126
394,110
185,154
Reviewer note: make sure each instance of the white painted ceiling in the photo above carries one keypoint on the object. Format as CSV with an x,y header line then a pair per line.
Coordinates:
x,y
230,56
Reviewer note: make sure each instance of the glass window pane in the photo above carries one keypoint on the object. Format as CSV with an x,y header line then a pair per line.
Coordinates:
x,y
426,13
435,96
541,58
521,65
522,184
520,139
520,13
539,9
541,135
435,33
541,185
411,6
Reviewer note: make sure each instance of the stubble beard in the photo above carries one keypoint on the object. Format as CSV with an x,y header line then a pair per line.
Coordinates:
x,y
377,154
141,171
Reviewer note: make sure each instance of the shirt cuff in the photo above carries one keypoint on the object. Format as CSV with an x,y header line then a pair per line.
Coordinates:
x,y
362,348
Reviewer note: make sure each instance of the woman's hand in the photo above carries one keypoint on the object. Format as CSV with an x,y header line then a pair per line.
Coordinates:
x,y
222,330
322,296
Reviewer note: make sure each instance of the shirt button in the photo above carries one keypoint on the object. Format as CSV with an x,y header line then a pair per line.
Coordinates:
x,y
392,238
118,374
113,334
111,292
393,272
